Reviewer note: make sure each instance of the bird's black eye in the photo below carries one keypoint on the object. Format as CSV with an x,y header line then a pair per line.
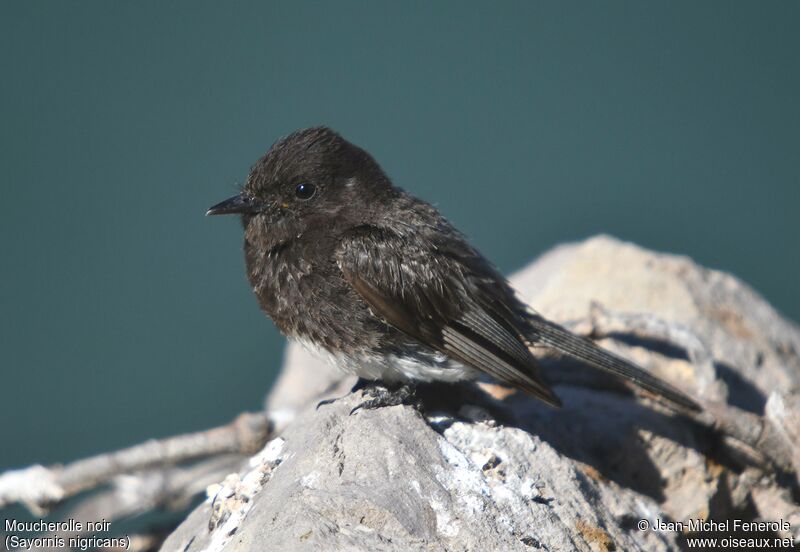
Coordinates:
x,y
305,190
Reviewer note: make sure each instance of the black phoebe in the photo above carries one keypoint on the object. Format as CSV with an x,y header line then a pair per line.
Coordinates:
x,y
381,284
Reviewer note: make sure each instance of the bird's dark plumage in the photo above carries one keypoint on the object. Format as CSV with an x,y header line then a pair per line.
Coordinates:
x,y
383,285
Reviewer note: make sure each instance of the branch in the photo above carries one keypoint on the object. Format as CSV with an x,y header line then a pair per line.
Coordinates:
x,y
129,495
39,488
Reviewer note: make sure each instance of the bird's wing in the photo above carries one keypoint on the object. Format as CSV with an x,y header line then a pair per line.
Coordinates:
x,y
433,297
538,331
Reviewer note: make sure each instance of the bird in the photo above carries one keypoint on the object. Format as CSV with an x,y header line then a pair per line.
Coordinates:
x,y
381,285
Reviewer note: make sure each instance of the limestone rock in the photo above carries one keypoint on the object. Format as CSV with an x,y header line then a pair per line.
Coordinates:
x,y
527,477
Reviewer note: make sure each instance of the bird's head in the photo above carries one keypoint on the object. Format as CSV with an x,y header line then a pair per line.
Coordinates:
x,y
311,179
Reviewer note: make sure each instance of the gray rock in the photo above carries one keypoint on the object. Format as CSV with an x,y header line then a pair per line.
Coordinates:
x,y
585,477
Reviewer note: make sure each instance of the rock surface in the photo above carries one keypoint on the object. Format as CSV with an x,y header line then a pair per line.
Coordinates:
x,y
580,478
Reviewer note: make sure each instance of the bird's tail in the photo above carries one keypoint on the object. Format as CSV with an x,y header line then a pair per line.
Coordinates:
x,y
554,336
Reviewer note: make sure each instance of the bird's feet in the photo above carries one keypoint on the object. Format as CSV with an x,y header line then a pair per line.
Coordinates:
x,y
378,396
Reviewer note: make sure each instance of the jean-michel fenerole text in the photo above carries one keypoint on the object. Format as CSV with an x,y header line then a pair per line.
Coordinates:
x,y
699,525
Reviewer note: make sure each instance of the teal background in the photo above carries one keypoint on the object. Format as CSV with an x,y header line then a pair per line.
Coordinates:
x,y
125,312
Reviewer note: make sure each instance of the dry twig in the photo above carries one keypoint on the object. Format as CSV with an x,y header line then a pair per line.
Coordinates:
x,y
39,488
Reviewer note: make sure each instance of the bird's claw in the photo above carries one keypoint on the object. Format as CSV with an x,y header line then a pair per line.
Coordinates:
x,y
380,396
326,402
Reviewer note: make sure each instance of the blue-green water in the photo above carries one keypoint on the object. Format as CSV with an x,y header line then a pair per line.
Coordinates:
x,y
125,312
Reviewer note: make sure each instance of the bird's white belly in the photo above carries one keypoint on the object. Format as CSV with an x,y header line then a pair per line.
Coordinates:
x,y
420,366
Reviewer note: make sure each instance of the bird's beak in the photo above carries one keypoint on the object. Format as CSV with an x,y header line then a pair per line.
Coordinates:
x,y
236,205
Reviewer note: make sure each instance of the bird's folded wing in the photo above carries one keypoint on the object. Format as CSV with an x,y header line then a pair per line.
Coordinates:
x,y
432,298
